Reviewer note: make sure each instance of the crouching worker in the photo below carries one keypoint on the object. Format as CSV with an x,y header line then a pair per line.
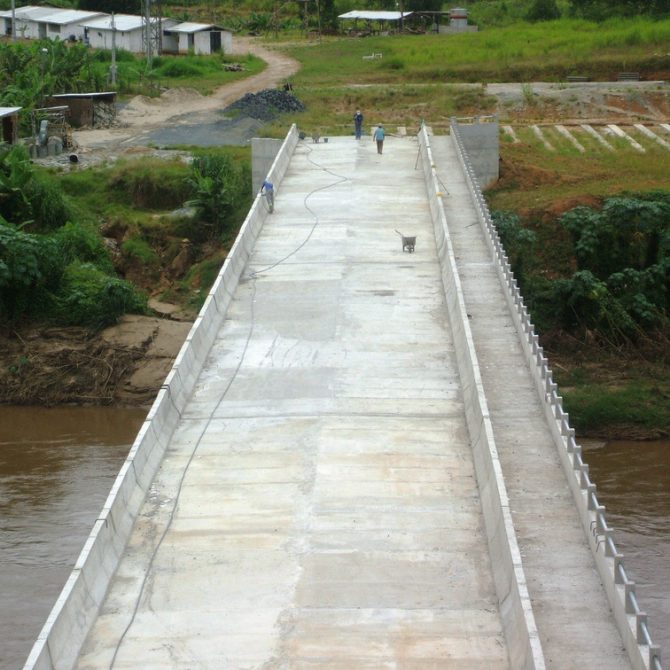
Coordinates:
x,y
268,191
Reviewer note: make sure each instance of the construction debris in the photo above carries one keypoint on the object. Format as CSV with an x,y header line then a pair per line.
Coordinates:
x,y
267,105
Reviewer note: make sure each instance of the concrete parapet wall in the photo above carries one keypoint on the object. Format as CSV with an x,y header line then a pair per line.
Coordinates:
x,y
480,137
263,153
58,644
525,651
631,621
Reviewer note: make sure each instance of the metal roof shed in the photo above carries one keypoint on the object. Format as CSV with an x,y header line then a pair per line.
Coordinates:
x,y
128,27
26,20
10,124
369,15
201,38
87,109
65,23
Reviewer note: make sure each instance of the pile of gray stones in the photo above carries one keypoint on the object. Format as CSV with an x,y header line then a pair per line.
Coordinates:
x,y
267,105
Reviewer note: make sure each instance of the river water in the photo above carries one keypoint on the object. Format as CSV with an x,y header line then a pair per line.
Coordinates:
x,y
56,469
57,466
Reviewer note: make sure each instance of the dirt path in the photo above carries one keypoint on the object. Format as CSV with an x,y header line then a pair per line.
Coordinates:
x,y
184,106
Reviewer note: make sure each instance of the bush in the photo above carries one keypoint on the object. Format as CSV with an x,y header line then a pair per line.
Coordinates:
x,y
29,266
91,298
543,10
49,207
79,242
151,183
179,68
221,187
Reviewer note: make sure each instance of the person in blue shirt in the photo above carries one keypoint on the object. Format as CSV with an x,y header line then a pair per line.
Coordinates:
x,y
268,190
358,124
378,136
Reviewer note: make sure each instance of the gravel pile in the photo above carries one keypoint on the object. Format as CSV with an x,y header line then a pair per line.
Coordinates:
x,y
267,105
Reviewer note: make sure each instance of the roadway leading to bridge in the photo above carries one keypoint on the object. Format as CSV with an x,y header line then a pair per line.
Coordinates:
x,y
328,514
317,506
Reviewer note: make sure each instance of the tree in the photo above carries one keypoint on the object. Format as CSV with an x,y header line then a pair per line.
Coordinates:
x,y
423,5
112,6
599,10
543,10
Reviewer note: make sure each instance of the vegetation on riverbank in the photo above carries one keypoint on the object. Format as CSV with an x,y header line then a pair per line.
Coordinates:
x,y
79,248
589,238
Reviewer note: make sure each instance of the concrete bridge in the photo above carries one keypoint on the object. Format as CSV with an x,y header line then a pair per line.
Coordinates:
x,y
359,459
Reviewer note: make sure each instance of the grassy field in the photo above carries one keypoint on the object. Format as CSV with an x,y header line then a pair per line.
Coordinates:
x,y
534,179
433,77
522,52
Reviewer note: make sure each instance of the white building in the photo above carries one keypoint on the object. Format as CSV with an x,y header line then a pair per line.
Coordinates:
x,y
199,38
96,29
47,22
129,31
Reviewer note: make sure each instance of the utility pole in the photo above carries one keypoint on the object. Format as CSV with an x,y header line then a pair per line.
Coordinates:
x,y
147,31
13,20
112,68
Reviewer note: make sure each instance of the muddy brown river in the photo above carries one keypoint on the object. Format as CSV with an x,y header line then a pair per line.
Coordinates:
x,y
57,466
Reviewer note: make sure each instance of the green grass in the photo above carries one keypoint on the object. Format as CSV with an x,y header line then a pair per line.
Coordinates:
x,y
330,109
202,73
522,52
597,409
533,178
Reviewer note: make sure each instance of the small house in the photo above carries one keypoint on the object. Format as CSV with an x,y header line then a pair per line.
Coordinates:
x,y
27,21
126,30
47,22
198,38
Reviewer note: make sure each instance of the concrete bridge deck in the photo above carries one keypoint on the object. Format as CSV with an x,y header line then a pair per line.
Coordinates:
x,y
321,502
329,516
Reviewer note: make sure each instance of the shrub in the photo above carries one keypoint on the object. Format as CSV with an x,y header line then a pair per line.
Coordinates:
x,y
49,207
79,242
543,10
151,183
29,266
91,298
220,186
179,68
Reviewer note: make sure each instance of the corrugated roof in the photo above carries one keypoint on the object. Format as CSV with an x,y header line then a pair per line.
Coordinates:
x,y
28,13
374,16
191,27
8,111
65,16
122,22
97,94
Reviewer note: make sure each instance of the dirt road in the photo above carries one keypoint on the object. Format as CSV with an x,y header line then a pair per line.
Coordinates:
x,y
185,108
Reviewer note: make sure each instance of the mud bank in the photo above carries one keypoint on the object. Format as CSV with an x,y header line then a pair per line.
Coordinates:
x,y
123,365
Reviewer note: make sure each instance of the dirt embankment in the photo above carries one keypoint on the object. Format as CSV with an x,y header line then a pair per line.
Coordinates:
x,y
124,364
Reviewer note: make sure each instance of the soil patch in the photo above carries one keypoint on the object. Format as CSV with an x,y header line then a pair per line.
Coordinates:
x,y
122,365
